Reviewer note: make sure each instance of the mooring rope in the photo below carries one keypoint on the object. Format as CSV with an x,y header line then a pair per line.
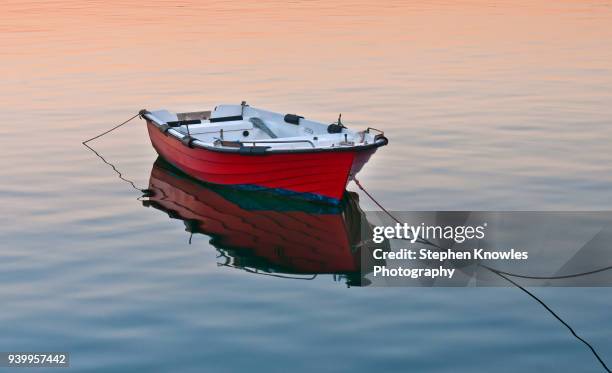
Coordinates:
x,y
374,200
561,277
115,169
501,274
418,239
110,130
110,164
603,364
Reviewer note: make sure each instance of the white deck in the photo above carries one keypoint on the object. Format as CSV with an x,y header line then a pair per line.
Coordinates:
x,y
262,128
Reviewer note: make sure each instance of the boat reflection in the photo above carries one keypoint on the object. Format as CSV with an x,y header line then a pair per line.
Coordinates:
x,y
263,233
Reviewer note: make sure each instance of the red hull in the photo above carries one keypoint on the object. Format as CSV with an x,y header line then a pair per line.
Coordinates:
x,y
316,174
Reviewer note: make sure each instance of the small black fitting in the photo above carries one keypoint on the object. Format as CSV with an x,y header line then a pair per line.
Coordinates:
x,y
188,141
148,193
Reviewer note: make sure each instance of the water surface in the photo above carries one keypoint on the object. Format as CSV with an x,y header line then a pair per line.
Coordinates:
x,y
488,105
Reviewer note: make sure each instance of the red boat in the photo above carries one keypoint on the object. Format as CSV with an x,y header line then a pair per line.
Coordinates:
x,y
263,233
256,149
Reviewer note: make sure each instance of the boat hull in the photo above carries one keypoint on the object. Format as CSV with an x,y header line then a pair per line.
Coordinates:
x,y
320,176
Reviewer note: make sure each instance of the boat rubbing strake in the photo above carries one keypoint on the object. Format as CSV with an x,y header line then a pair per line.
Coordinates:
x,y
256,149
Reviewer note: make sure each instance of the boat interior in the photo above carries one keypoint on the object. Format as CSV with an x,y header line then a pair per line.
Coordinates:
x,y
243,125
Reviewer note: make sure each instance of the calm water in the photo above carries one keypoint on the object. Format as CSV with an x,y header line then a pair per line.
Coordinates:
x,y
488,105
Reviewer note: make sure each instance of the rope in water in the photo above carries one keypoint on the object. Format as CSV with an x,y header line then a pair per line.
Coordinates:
x,y
501,274
419,239
603,364
110,164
